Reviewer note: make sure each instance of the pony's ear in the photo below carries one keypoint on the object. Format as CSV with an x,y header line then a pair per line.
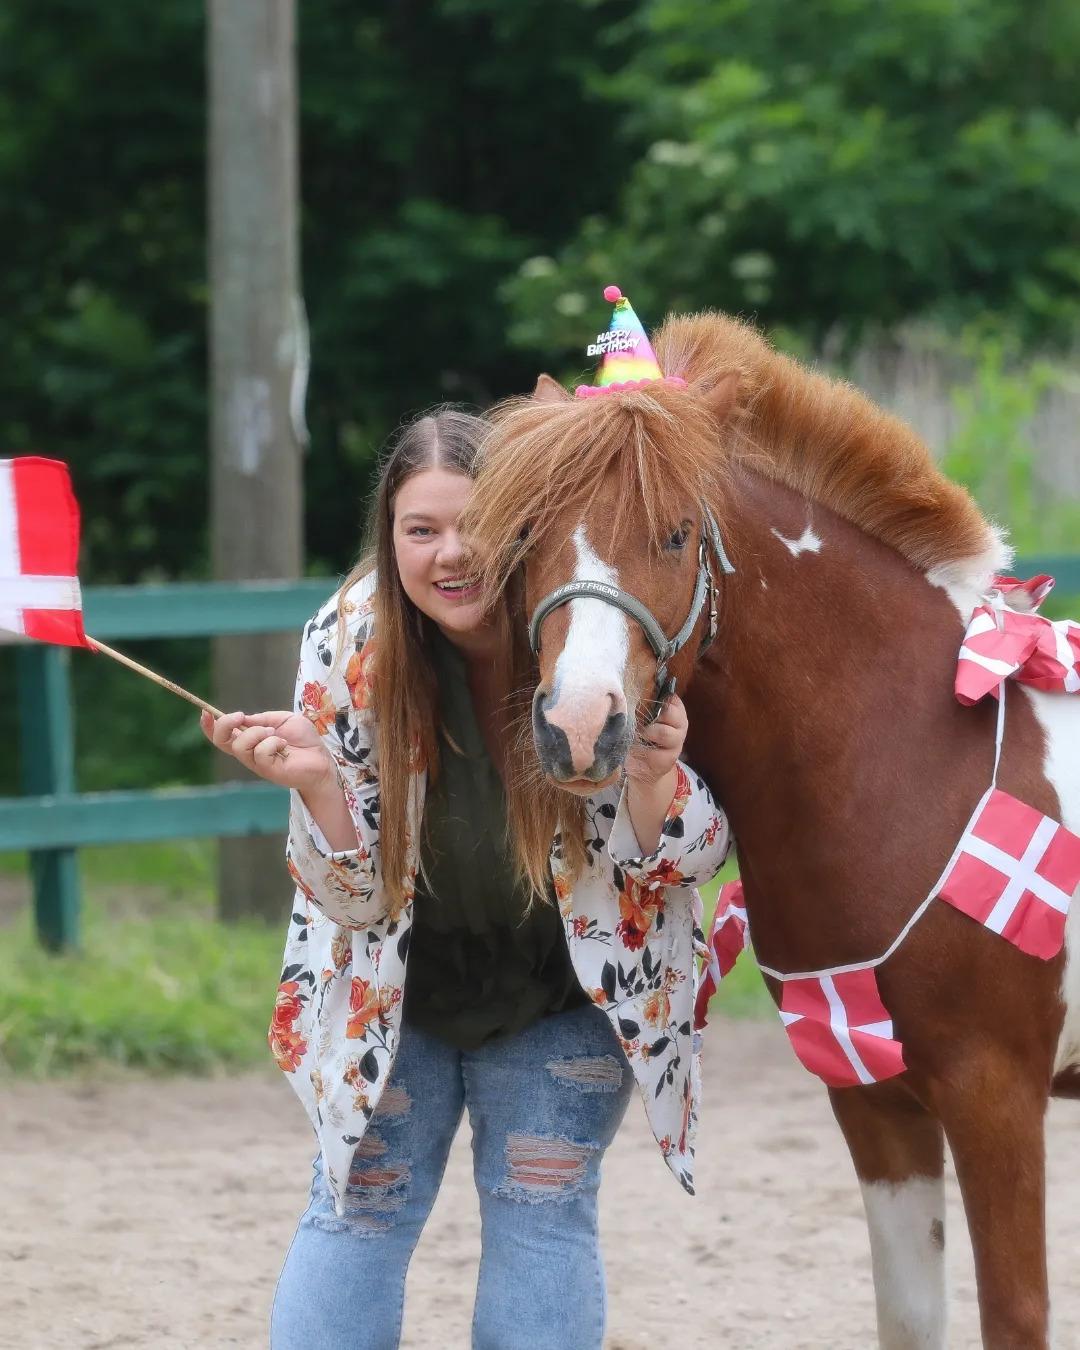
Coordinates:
x,y
719,392
549,391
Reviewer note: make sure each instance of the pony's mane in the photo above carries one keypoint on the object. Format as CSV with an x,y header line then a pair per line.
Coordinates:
x,y
827,441
818,436
542,459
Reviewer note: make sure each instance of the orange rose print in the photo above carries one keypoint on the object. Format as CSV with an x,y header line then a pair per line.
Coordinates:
x,y
359,674
683,793
658,1009
638,907
286,1044
363,1008
341,949
666,873
389,998
301,883
317,706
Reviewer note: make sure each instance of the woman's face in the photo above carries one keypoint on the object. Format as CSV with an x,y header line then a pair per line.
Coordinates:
x,y
432,559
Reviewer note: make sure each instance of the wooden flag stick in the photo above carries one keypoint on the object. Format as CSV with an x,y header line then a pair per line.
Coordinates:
x,y
151,675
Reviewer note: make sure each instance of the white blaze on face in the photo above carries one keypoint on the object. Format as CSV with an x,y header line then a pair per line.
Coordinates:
x,y
587,684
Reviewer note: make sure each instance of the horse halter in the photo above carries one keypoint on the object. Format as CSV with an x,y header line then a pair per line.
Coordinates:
x,y
664,648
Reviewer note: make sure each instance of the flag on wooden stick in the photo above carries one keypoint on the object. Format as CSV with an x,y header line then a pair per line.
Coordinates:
x,y
39,564
39,552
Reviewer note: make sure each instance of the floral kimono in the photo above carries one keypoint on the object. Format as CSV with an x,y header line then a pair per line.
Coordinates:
x,y
631,922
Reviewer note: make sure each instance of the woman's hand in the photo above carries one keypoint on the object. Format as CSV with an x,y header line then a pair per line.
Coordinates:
x,y
650,772
282,747
654,755
285,748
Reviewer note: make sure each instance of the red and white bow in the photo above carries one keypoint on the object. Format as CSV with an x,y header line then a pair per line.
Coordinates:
x,y
1007,639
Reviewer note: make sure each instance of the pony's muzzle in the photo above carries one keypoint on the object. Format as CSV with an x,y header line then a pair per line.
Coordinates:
x,y
584,738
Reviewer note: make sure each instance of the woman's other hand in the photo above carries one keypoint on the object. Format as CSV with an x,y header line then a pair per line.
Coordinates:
x,y
654,755
651,779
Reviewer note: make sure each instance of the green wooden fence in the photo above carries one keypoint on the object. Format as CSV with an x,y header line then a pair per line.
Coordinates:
x,y
53,820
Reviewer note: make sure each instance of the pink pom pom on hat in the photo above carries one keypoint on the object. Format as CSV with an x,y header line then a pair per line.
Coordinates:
x,y
627,358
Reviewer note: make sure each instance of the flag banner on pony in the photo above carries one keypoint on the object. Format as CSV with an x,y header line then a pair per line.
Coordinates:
x,y
840,1029
1003,642
39,551
727,940
1015,873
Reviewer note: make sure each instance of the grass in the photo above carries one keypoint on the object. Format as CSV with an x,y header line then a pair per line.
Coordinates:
x,y
159,984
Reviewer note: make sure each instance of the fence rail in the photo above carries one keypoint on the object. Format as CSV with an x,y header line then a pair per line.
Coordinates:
x,y
53,820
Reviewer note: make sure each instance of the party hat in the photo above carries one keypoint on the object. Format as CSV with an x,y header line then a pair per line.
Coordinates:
x,y
628,360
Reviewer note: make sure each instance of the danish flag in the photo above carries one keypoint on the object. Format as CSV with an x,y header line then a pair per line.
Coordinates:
x,y
728,938
1016,872
39,549
1006,640
840,1029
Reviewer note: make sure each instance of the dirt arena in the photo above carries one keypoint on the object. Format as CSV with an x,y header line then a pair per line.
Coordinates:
x,y
155,1214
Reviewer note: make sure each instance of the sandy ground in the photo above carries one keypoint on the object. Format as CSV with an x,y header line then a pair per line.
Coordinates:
x,y
156,1213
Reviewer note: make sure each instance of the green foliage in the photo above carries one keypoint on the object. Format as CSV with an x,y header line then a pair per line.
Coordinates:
x,y
159,984
991,454
834,164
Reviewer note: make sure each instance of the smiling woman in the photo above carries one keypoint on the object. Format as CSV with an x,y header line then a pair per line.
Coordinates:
x,y
548,934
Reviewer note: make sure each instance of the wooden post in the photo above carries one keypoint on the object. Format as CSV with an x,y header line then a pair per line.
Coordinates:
x,y
258,366
47,761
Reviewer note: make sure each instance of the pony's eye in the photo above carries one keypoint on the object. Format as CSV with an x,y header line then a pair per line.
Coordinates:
x,y
677,540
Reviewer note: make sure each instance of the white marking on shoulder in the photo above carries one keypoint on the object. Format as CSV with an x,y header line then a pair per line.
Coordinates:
x,y
807,542
907,1248
1059,717
966,580
598,640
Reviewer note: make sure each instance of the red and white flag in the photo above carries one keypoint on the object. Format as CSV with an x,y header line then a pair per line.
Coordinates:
x,y
1012,641
39,551
1016,873
727,940
840,1029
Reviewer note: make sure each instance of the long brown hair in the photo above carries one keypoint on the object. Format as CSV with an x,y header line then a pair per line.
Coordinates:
x,y
404,693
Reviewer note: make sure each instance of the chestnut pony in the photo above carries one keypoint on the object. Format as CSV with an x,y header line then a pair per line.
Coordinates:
x,y
822,715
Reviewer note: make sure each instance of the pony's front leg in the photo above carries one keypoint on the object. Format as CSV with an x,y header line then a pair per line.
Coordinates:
x,y
899,1157
994,1118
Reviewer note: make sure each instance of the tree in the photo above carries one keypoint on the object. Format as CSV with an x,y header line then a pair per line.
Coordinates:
x,y
258,376
837,163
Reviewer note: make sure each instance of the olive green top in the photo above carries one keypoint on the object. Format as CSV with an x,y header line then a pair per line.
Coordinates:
x,y
479,965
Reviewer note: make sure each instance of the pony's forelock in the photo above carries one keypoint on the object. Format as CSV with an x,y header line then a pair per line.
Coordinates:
x,y
543,461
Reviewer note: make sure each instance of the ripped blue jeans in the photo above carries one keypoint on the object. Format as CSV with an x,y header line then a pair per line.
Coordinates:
x,y
543,1106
